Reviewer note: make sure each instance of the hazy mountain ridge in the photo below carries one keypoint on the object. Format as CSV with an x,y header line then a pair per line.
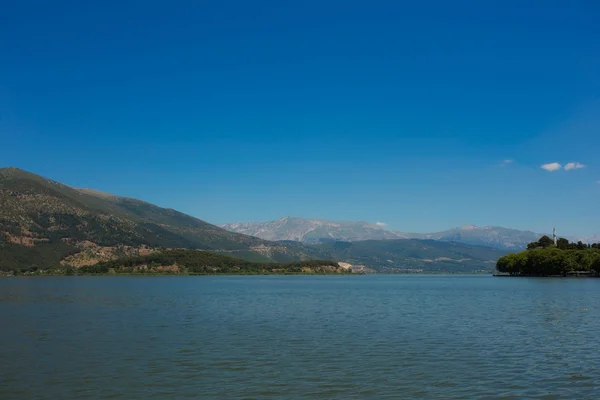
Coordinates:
x,y
586,239
316,231
313,230
492,236
414,255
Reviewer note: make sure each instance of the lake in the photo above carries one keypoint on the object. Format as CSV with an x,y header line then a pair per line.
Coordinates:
x,y
325,337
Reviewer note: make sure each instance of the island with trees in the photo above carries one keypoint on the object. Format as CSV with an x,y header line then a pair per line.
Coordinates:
x,y
547,257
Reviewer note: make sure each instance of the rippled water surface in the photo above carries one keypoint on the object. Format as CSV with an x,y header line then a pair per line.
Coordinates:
x,y
323,337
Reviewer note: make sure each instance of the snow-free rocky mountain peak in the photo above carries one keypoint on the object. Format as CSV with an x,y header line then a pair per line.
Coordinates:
x,y
319,230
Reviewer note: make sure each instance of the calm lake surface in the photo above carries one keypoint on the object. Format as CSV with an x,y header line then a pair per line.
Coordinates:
x,y
325,337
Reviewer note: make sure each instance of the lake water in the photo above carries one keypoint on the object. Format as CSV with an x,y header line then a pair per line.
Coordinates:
x,y
327,337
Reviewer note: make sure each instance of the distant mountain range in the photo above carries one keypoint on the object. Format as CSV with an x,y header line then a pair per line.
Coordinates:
x,y
318,231
492,236
313,230
413,255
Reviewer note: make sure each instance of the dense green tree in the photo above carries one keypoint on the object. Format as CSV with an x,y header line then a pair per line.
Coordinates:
x,y
513,264
596,264
562,243
545,241
550,261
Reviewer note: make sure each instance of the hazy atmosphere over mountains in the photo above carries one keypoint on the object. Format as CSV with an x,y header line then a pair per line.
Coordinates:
x,y
318,230
313,230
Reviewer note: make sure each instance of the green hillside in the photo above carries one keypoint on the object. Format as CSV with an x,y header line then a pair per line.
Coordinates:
x,y
42,222
204,262
405,255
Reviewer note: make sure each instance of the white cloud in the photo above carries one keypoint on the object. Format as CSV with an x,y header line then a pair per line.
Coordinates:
x,y
552,167
573,165
380,224
506,162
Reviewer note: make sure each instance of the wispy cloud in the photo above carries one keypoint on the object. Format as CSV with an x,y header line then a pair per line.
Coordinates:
x,y
380,224
506,162
552,167
573,165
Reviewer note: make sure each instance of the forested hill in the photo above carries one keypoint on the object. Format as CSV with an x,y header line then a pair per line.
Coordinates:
x,y
413,255
543,258
204,262
43,222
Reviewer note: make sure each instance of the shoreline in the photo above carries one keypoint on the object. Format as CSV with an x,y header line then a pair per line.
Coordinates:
x,y
547,276
254,274
192,274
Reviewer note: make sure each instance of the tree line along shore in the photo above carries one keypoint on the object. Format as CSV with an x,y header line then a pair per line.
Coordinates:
x,y
193,262
547,258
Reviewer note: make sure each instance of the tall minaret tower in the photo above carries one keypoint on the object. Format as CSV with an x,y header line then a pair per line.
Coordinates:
x,y
554,236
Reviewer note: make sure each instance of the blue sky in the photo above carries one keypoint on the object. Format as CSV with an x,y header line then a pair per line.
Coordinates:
x,y
400,112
